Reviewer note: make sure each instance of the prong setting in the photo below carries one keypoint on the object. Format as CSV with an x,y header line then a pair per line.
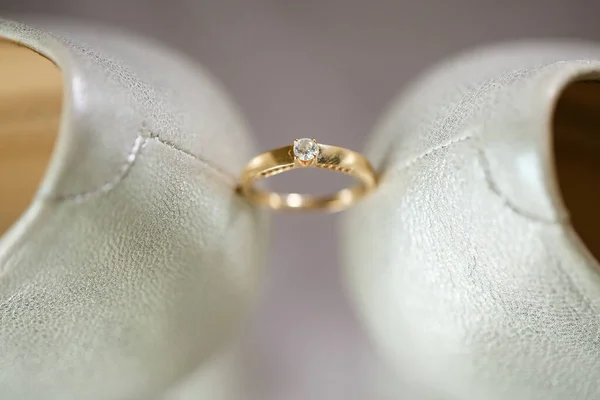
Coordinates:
x,y
306,151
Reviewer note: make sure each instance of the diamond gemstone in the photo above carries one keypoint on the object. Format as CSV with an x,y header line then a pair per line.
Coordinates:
x,y
305,149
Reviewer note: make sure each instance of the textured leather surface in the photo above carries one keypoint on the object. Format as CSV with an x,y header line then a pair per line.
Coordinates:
x,y
464,265
136,258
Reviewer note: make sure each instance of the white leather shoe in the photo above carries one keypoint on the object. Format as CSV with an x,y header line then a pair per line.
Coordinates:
x,y
473,264
135,259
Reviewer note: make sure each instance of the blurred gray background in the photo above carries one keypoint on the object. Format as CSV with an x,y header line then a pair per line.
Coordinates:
x,y
324,69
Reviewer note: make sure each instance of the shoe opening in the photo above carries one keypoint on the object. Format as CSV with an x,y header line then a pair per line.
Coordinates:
x,y
577,153
30,106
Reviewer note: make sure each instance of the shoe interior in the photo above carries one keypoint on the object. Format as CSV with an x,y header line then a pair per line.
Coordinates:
x,y
577,155
30,106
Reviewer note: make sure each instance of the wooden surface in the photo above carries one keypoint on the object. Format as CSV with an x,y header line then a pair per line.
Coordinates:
x,y
30,105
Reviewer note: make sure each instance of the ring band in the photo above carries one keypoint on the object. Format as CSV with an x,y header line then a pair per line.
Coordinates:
x,y
302,154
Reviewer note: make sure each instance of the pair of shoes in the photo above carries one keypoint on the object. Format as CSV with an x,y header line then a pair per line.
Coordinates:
x,y
473,265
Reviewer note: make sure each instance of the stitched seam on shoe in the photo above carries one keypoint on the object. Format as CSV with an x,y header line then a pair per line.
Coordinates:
x,y
140,142
494,188
490,182
432,150
217,169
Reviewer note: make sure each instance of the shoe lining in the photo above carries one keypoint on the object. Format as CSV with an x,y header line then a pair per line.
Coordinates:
x,y
577,153
30,106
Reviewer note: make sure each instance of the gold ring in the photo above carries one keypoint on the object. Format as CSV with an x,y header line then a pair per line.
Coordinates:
x,y
306,153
